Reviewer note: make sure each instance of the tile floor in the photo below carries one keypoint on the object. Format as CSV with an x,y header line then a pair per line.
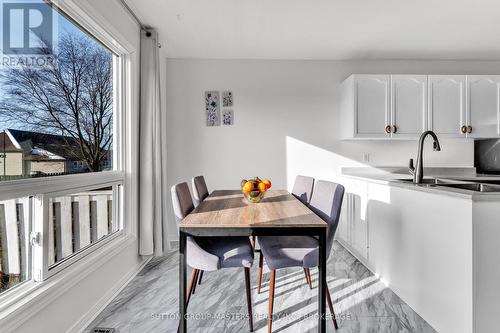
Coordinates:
x,y
149,303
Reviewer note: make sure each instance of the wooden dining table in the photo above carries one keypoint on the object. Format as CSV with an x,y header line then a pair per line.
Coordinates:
x,y
227,213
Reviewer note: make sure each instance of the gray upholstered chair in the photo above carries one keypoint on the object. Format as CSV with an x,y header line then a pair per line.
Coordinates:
x,y
303,188
303,251
212,253
200,190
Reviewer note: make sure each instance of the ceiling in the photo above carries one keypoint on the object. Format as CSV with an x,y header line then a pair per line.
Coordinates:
x,y
325,29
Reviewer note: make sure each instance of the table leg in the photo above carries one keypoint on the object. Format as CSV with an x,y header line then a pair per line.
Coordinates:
x,y
182,283
321,284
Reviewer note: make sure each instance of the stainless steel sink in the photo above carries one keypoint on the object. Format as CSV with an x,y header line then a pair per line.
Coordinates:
x,y
427,181
483,186
477,187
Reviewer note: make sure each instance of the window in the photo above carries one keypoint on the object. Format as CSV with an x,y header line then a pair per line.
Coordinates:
x,y
15,251
59,112
61,177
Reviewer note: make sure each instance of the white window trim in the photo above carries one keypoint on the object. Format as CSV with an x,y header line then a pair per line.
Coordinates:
x,y
25,300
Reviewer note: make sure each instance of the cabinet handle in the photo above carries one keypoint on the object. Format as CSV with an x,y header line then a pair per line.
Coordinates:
x,y
394,129
463,129
469,129
388,129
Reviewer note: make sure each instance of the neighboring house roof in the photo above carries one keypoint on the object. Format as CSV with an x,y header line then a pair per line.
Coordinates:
x,y
43,146
6,144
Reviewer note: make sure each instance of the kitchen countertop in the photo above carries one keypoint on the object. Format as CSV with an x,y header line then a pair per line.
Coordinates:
x,y
391,176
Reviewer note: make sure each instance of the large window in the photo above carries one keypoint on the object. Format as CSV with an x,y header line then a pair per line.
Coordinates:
x,y
60,179
56,98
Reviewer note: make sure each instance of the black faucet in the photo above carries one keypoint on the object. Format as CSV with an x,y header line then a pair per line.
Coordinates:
x,y
418,172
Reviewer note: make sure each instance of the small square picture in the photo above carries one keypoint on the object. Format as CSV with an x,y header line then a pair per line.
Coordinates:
x,y
227,99
227,117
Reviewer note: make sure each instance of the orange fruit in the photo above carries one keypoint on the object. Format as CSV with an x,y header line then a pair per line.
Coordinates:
x,y
268,183
243,182
247,187
262,187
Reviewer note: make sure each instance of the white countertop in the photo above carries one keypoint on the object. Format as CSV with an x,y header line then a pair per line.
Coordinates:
x,y
392,175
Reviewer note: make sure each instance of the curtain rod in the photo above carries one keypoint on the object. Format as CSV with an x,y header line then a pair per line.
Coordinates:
x,y
131,12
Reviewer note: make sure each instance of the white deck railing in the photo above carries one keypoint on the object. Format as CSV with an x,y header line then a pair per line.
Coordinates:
x,y
75,221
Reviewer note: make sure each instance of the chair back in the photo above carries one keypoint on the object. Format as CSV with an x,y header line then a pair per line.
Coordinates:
x,y
303,188
200,190
181,201
326,202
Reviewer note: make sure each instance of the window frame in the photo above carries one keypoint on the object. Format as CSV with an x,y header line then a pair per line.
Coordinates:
x,y
125,64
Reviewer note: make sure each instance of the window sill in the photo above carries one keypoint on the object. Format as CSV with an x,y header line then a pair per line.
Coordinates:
x,y
27,299
41,185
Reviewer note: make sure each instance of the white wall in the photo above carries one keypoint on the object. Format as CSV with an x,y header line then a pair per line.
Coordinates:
x,y
286,120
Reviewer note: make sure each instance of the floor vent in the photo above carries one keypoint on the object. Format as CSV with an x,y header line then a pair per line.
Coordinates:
x,y
102,330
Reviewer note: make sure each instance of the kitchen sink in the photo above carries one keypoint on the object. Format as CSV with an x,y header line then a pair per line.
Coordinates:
x,y
477,187
469,185
425,181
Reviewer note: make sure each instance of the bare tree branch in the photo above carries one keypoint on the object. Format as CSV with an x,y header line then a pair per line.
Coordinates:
x,y
73,98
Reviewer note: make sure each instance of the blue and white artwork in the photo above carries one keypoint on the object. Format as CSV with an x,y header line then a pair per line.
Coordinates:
x,y
227,117
227,99
212,108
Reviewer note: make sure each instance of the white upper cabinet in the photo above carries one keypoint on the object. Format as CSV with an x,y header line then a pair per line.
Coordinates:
x,y
409,105
447,105
483,106
404,106
372,105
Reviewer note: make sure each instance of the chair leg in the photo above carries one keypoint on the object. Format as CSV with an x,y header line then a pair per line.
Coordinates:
x,y
271,301
249,298
330,305
253,242
190,290
259,278
191,285
195,281
307,273
201,276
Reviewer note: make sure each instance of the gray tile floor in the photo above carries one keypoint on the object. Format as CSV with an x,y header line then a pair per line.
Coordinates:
x,y
149,302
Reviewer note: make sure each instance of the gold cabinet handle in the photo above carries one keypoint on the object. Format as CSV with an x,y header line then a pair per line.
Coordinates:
x,y
463,129
388,129
394,129
469,129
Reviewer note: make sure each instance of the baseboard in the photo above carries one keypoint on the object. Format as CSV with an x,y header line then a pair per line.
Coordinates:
x,y
104,301
356,255
174,244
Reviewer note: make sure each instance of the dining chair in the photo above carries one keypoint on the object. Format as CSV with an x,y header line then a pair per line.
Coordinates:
x,y
200,190
212,253
303,251
303,188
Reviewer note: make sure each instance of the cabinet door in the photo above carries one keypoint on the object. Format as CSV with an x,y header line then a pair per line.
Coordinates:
x,y
359,231
483,107
447,104
344,227
409,105
372,105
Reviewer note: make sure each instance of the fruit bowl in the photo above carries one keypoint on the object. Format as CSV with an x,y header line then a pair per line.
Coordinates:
x,y
255,189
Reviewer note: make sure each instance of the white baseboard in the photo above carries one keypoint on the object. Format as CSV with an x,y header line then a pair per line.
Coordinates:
x,y
174,244
104,301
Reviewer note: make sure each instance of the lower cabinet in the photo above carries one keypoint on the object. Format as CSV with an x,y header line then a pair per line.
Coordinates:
x,y
420,244
353,226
